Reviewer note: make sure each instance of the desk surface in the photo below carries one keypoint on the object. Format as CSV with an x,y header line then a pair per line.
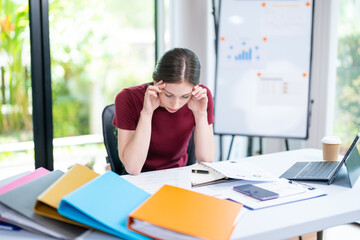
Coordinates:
x,y
339,206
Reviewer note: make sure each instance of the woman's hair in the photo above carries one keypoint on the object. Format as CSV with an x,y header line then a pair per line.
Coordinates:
x,y
176,65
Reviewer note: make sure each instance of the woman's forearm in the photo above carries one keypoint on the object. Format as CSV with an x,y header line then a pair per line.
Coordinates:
x,y
204,139
135,152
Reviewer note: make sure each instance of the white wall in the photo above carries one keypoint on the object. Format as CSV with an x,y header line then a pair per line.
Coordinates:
x,y
189,28
323,71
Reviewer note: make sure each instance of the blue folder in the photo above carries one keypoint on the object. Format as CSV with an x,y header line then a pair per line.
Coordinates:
x,y
105,203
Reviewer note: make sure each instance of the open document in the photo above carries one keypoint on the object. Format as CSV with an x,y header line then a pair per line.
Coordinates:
x,y
217,172
289,191
241,170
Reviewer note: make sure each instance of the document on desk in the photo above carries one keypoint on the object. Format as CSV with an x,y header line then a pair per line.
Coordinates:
x,y
289,192
202,175
241,170
152,181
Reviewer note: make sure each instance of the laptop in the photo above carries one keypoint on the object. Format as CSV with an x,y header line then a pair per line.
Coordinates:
x,y
327,170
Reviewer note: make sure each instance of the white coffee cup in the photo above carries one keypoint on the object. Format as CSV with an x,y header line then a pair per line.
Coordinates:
x,y
331,147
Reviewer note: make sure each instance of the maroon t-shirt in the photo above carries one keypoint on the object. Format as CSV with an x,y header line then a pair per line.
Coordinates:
x,y
170,132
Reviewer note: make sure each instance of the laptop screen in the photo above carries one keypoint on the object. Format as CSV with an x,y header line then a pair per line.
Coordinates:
x,y
353,166
352,154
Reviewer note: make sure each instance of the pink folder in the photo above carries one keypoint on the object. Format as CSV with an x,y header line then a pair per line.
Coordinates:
x,y
25,179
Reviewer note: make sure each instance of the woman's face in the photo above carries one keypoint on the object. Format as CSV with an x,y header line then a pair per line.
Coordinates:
x,y
175,95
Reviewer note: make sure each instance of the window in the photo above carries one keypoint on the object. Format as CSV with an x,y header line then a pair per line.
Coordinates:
x,y
347,112
16,126
97,49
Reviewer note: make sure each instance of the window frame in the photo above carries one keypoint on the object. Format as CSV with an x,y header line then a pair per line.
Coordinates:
x,y
41,83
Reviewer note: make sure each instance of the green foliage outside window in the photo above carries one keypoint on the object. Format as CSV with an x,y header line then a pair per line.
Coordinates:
x,y
347,115
347,111
15,94
89,53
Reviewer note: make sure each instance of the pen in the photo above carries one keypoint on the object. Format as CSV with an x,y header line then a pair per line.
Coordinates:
x,y
199,171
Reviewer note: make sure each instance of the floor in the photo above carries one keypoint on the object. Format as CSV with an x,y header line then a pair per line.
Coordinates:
x,y
348,232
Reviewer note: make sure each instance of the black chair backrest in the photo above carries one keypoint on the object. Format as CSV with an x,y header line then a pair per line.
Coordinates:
x,y
191,151
110,140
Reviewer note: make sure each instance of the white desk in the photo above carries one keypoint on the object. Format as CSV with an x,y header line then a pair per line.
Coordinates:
x,y
340,206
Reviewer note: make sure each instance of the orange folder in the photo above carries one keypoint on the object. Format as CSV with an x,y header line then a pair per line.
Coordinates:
x,y
48,202
185,212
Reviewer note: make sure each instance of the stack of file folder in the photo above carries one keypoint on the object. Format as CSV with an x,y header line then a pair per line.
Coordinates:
x,y
65,205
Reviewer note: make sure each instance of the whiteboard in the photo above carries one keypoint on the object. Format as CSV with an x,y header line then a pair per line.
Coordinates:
x,y
262,85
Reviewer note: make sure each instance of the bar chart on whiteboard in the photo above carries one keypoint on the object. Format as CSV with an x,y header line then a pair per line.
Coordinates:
x,y
263,68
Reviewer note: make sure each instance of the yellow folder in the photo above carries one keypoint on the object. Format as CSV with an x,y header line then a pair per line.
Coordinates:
x,y
48,202
185,212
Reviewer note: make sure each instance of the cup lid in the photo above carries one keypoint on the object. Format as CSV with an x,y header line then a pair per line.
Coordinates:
x,y
331,140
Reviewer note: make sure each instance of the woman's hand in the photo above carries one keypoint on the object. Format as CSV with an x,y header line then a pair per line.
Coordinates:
x,y
199,101
151,98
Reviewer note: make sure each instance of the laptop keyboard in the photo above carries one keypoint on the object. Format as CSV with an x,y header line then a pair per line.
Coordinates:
x,y
317,170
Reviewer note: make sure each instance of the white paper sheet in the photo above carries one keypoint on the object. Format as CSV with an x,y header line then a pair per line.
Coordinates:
x,y
178,177
241,170
289,194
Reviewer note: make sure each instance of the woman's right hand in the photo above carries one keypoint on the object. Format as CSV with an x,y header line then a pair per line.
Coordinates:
x,y
151,98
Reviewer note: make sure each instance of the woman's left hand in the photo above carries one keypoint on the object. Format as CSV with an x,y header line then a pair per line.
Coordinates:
x,y
199,100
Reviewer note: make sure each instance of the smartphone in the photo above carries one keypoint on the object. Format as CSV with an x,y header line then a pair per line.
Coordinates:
x,y
256,192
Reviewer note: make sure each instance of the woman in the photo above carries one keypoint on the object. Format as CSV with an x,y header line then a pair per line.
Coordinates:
x,y
155,120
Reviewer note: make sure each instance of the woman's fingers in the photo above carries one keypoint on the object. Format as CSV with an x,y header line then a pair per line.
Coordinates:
x,y
197,88
199,92
160,85
201,96
154,89
159,82
152,93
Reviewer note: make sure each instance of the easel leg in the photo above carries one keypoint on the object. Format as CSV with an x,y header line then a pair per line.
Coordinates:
x,y
230,147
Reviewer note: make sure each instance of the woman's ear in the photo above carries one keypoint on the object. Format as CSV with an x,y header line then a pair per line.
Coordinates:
x,y
154,82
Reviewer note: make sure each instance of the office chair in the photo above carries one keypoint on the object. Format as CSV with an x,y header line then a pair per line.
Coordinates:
x,y
110,135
